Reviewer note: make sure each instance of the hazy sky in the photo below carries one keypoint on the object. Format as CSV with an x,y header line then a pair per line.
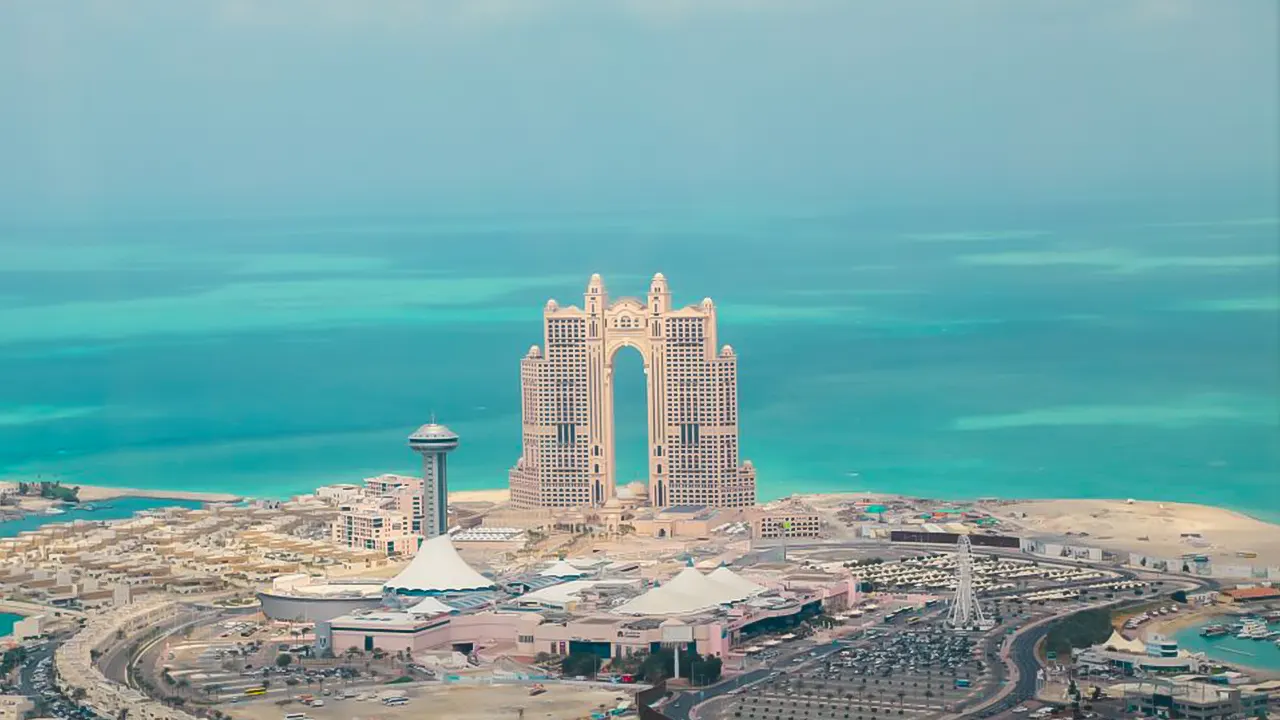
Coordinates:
x,y
325,103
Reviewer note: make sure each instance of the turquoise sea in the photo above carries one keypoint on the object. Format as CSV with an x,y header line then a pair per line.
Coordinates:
x,y
112,510
1260,654
1074,351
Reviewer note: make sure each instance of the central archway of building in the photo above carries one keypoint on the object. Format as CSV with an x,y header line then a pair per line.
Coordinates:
x,y
630,417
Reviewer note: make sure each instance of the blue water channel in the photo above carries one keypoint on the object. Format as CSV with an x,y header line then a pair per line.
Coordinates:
x,y
117,509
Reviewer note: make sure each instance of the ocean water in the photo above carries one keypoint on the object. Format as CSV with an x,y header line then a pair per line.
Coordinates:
x,y
110,510
1260,654
7,621
1080,351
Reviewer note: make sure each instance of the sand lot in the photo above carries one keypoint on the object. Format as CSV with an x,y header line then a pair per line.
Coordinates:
x,y
1117,525
454,702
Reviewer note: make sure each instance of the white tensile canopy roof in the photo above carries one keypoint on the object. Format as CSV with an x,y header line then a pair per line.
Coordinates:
x,y
734,583
691,592
431,607
562,569
1120,642
437,568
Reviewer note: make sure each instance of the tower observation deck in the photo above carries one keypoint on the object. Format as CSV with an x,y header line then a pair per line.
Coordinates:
x,y
434,442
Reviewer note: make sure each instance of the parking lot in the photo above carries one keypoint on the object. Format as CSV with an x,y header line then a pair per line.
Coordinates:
x,y
922,672
41,684
456,702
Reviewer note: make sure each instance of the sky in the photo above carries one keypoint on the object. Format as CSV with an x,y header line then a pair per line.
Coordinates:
x,y
135,106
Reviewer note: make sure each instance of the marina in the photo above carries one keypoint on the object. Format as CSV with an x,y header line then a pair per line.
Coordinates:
x,y
1249,642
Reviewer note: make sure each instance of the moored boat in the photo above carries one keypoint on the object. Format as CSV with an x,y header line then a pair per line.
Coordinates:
x,y
1214,630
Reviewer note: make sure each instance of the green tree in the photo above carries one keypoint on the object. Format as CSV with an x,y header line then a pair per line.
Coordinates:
x,y
1081,630
284,660
580,663
705,670
657,666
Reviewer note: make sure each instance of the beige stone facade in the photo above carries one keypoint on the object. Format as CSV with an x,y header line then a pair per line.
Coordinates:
x,y
791,523
692,397
383,518
15,707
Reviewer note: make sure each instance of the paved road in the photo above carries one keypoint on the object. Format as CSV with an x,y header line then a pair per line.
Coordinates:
x,y
1023,655
116,660
681,707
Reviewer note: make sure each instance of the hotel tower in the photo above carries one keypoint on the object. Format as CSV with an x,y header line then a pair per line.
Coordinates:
x,y
692,398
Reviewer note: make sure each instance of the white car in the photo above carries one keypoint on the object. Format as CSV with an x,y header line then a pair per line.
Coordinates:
x,y
1020,709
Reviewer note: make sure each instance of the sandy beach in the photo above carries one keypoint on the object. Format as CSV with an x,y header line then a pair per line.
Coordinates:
x,y
480,496
1153,527
97,493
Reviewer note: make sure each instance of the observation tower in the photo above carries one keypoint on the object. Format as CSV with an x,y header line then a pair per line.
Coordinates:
x,y
434,442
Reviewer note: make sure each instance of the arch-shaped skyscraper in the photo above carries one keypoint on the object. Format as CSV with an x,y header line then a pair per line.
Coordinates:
x,y
692,397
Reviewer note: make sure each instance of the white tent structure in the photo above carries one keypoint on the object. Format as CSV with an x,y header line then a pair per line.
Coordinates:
x,y
1120,642
734,583
689,592
437,568
562,569
430,607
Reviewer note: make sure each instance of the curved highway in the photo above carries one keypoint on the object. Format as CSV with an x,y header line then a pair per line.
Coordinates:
x,y
1022,656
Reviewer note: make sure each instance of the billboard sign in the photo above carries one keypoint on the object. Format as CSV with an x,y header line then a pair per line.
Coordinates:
x,y
672,634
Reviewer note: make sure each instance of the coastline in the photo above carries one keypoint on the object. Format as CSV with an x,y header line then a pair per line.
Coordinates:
x,y
97,493
495,496
1174,626
27,506
1162,529
1158,529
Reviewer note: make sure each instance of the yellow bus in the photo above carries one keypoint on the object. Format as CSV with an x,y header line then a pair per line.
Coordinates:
x,y
913,620
255,691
